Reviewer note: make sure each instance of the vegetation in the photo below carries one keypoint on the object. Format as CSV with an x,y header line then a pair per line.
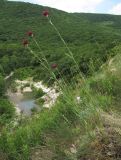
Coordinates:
x,y
84,123
91,37
40,101
23,73
2,86
38,93
7,111
68,122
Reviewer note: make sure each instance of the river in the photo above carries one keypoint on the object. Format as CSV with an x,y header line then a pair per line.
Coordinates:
x,y
23,102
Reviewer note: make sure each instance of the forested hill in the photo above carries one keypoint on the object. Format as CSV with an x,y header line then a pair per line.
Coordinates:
x,y
89,36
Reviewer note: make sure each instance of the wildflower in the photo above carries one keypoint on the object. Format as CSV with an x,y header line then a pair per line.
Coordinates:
x,y
45,13
25,43
30,34
53,66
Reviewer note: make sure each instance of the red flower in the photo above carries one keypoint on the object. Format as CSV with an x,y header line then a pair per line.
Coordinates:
x,y
30,34
53,66
45,13
25,43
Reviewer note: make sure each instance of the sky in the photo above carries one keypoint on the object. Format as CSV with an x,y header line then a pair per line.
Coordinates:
x,y
89,6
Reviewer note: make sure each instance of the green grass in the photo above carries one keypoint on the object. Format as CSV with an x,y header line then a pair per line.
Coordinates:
x,y
93,39
7,112
67,122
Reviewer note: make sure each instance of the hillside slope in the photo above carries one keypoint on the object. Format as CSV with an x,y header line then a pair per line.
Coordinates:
x,y
89,36
89,129
84,122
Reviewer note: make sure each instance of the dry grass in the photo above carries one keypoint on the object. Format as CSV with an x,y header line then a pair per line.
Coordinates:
x,y
107,143
41,153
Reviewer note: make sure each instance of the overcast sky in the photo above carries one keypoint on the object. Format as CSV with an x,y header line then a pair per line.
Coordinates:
x,y
93,6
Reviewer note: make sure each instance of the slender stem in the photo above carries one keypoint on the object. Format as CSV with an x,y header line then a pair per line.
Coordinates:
x,y
70,55
48,68
60,36
36,56
70,52
44,58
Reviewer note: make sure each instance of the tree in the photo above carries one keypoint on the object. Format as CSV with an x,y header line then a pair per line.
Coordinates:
x,y
2,85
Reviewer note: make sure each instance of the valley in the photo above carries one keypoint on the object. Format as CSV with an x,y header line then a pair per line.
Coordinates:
x,y
60,84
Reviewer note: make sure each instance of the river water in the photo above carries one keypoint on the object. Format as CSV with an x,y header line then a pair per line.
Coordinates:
x,y
23,102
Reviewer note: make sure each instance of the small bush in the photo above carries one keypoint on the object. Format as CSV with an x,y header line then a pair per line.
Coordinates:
x,y
13,87
7,111
38,93
110,85
40,101
23,73
2,85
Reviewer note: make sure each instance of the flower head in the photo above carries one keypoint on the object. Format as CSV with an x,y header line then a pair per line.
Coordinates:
x,y
45,13
53,66
30,33
25,43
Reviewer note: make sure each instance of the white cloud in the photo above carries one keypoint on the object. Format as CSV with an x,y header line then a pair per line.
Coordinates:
x,y
69,5
116,9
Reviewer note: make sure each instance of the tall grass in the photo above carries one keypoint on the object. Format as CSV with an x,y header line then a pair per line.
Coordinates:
x,y
64,122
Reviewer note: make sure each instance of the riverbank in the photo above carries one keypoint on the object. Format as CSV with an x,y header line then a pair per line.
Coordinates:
x,y
25,103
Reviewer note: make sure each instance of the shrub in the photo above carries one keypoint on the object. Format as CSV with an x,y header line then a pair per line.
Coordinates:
x,y
2,85
7,111
110,85
40,101
23,73
13,87
37,92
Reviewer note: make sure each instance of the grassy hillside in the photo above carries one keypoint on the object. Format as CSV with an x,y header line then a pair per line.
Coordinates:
x,y
84,122
71,130
89,36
